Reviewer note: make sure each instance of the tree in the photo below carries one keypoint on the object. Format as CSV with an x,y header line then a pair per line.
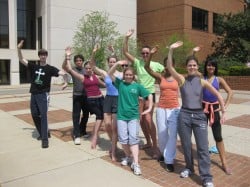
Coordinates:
x,y
94,28
233,37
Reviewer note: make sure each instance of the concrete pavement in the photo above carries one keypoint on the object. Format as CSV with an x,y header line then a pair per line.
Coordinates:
x,y
23,163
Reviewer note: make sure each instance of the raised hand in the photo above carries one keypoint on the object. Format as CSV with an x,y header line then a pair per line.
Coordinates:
x,y
96,47
111,48
130,32
154,49
196,49
20,44
176,45
68,51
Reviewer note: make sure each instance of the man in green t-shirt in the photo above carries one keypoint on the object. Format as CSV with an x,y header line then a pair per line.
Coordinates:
x,y
146,121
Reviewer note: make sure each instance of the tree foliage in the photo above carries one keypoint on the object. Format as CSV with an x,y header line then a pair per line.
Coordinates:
x,y
96,28
233,41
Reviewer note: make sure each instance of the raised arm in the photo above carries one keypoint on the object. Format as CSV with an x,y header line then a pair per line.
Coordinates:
x,y
20,55
114,67
195,50
178,77
226,87
218,95
67,65
125,46
93,64
147,65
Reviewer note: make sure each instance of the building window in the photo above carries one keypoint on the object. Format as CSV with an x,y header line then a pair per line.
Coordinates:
x,y
199,19
39,33
26,23
4,72
25,76
4,24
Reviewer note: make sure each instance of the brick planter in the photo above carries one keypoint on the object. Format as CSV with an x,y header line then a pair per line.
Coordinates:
x,y
238,82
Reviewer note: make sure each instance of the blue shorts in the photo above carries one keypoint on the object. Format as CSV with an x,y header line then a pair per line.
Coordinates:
x,y
128,131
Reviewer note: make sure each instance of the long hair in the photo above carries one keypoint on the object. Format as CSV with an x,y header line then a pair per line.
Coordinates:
x,y
213,62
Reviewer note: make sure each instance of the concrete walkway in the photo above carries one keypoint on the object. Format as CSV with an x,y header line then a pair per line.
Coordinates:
x,y
24,164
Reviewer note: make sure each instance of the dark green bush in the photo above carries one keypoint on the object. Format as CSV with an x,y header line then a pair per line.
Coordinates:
x,y
239,71
223,72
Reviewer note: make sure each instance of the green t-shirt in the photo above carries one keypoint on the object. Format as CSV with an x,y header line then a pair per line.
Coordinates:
x,y
143,77
128,99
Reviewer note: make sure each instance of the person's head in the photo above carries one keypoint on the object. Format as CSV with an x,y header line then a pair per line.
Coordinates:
x,y
43,54
166,72
192,65
210,67
78,60
87,67
145,51
128,75
111,60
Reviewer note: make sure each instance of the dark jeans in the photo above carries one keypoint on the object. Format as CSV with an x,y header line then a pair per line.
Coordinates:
x,y
80,104
39,109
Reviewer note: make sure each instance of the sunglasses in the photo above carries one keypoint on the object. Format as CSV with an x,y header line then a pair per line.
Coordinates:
x,y
145,53
124,65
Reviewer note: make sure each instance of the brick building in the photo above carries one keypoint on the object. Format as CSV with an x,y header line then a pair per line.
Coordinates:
x,y
159,19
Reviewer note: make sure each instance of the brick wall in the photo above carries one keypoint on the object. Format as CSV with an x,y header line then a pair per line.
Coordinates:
x,y
238,82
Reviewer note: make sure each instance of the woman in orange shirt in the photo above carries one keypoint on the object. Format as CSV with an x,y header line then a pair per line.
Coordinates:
x,y
167,112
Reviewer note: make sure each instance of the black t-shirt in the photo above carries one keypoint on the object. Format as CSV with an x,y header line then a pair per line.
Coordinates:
x,y
41,77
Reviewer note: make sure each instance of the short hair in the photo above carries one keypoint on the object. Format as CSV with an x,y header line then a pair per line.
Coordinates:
x,y
213,62
78,56
146,46
192,57
112,56
42,52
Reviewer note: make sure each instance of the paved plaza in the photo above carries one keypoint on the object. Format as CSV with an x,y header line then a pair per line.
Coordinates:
x,y
24,164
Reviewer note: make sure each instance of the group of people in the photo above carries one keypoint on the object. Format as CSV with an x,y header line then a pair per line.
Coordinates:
x,y
129,105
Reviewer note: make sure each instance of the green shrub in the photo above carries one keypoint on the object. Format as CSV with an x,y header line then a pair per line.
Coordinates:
x,y
239,71
223,72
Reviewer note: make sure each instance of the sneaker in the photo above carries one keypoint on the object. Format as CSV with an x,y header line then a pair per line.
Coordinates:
x,y
77,141
85,135
45,144
185,173
136,168
160,159
208,184
170,167
126,161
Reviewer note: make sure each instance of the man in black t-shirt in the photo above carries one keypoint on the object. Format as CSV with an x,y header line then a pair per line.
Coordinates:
x,y
40,87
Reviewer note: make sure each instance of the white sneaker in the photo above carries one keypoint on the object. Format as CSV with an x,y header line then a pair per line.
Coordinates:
x,y
126,161
77,141
208,184
136,168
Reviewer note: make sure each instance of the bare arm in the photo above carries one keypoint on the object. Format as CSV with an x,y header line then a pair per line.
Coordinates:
x,y
114,67
226,87
178,77
125,46
218,95
20,55
147,65
150,99
93,64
